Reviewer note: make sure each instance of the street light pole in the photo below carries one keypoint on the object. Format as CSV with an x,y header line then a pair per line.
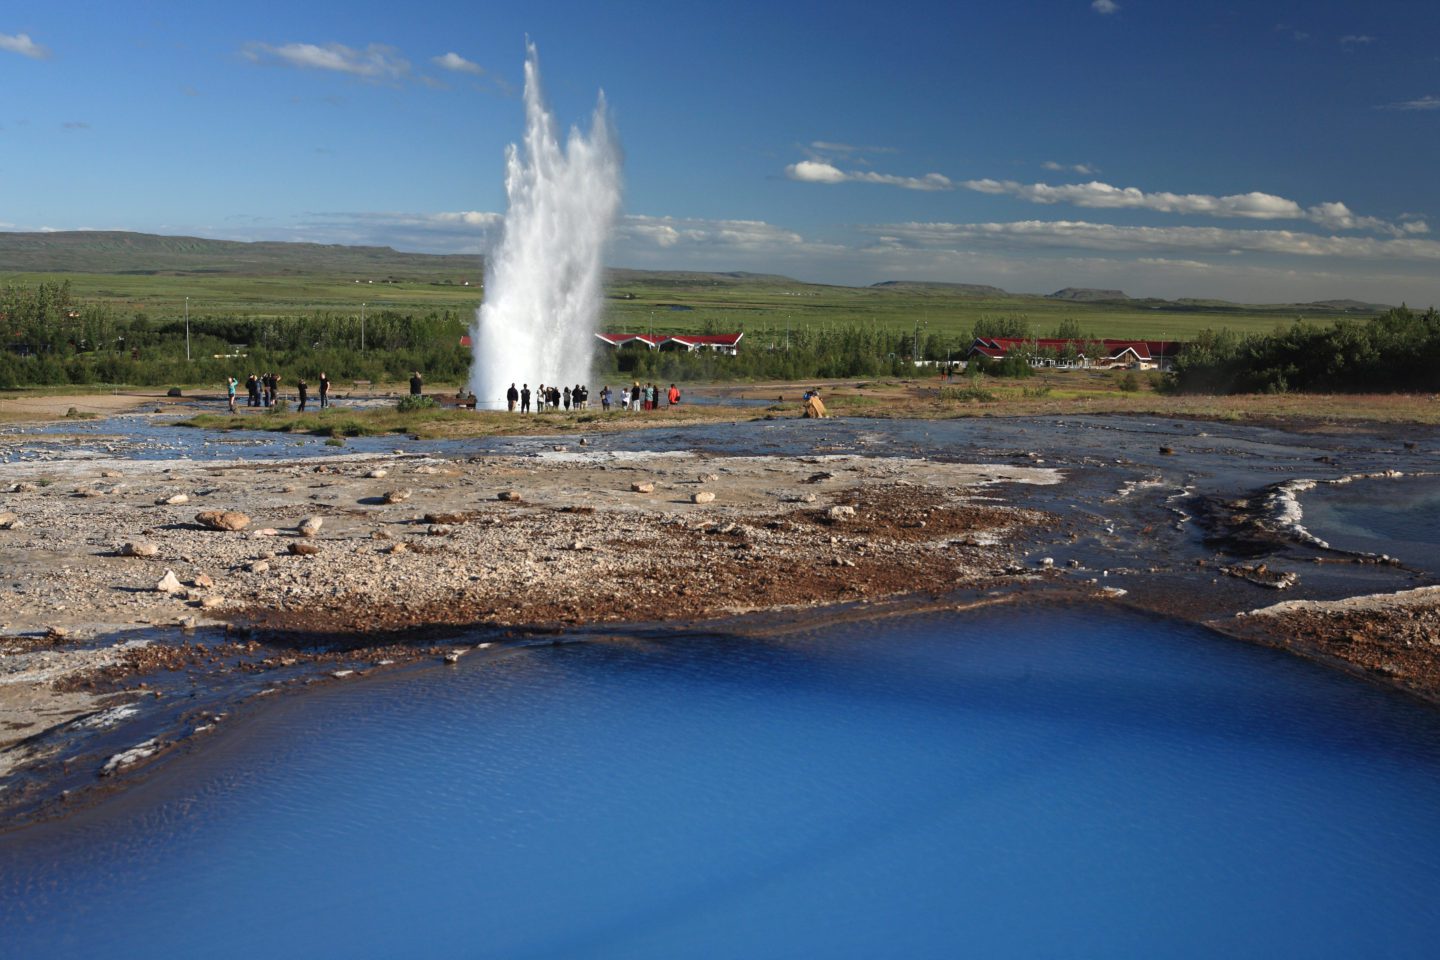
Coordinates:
x,y
187,329
362,327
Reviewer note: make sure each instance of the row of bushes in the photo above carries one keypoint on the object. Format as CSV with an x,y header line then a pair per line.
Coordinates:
x,y
1397,351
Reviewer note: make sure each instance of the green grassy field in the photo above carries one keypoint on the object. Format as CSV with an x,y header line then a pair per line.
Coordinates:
x,y
137,272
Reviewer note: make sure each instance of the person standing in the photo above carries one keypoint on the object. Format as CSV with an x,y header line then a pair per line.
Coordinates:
x,y
567,399
252,391
511,396
525,399
416,384
230,385
303,389
324,390
635,397
674,395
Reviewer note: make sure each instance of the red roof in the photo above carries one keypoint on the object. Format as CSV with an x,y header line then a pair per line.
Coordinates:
x,y
997,347
688,339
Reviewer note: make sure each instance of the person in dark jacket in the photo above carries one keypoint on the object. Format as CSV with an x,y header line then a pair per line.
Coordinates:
x,y
416,384
512,396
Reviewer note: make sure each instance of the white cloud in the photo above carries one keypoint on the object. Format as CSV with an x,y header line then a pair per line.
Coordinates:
x,y
375,62
673,232
828,146
1071,234
817,171
22,44
1105,7
1427,102
1084,169
1352,40
1253,206
453,61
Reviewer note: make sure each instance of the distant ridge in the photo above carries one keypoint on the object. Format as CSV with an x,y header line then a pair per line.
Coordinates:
x,y
1349,306
123,252
971,289
144,254
1086,294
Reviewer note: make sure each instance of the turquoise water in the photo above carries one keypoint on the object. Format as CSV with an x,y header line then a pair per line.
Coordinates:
x,y
1018,782
1398,517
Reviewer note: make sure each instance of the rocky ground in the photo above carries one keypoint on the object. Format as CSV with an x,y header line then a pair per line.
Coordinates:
x,y
1394,638
375,552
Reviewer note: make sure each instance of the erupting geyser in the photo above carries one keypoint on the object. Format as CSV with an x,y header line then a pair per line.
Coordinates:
x,y
543,282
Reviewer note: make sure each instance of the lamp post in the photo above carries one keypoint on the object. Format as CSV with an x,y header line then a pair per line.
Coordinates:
x,y
187,329
362,327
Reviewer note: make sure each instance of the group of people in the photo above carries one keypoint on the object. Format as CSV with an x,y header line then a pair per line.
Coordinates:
x,y
636,397
262,390
548,398
642,397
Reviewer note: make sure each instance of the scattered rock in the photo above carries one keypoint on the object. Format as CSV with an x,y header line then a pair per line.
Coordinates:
x,y
135,754
341,674
396,548
139,548
310,526
212,602
178,500
259,566
54,632
707,478
702,496
303,549
638,487
169,583
25,486
397,496
228,520
438,530
510,496
454,656
204,581
840,512
378,474
10,521
1167,451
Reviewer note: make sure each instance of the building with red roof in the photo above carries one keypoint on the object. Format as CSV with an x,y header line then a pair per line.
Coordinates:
x,y
1055,352
727,343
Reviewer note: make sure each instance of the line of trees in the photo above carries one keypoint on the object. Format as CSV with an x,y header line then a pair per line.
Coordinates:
x,y
48,338
1397,351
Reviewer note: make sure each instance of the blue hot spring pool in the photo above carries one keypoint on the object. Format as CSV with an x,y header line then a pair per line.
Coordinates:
x,y
1014,782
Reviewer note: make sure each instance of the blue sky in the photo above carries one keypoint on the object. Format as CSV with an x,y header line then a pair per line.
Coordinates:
x,y
1256,151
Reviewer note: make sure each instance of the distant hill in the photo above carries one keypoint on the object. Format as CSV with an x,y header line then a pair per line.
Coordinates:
x,y
964,289
1086,294
118,252
1349,306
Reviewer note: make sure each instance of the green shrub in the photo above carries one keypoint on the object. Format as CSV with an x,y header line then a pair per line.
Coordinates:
x,y
414,402
1127,382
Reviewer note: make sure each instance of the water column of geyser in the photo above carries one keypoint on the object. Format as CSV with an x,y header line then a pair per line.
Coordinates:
x,y
543,282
